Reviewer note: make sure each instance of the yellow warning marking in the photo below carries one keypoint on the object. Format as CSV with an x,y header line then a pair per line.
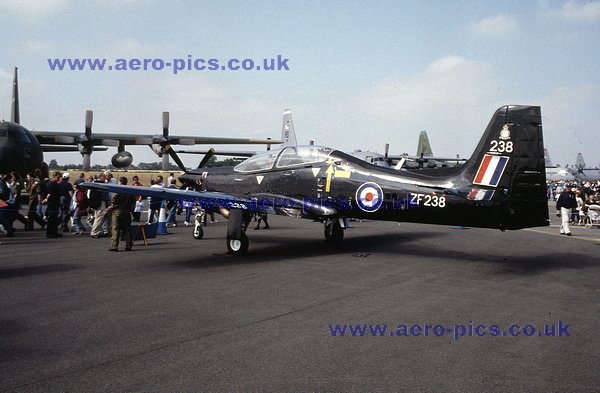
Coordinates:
x,y
336,173
329,172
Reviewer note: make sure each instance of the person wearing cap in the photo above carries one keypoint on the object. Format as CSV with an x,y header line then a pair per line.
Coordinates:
x,y
564,206
66,195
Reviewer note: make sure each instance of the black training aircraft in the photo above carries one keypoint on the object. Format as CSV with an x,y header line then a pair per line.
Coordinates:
x,y
502,185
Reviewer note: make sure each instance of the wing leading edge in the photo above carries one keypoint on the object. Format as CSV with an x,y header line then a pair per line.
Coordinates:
x,y
262,203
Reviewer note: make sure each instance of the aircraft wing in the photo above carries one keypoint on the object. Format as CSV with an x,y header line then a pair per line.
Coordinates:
x,y
259,203
429,158
231,153
58,137
204,198
63,148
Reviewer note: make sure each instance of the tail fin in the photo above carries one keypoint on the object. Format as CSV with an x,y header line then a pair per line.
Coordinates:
x,y
424,148
288,134
580,163
509,160
15,116
547,159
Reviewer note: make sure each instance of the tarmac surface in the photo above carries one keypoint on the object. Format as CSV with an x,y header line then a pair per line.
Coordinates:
x,y
180,315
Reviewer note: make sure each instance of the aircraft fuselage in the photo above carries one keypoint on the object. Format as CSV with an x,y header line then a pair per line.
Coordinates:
x,y
19,149
352,188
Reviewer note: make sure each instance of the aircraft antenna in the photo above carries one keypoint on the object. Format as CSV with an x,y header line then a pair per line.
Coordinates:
x,y
577,136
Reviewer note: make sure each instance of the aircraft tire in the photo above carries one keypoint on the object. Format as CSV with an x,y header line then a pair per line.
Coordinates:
x,y
334,232
237,246
198,232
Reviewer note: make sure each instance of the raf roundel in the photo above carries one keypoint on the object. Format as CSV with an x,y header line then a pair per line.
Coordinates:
x,y
369,197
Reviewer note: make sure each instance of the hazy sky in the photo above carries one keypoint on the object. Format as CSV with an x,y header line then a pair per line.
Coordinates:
x,y
360,73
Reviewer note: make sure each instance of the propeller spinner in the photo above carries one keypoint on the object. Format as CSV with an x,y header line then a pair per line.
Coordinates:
x,y
161,144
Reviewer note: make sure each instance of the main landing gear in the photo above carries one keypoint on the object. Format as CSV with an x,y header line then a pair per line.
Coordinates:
x,y
334,232
237,246
237,241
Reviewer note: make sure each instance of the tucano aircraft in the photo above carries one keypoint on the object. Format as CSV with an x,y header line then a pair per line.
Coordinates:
x,y
502,185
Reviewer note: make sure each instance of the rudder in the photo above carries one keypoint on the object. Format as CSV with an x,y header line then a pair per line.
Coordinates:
x,y
288,133
509,160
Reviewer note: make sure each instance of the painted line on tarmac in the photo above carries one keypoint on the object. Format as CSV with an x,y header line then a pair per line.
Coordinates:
x,y
575,235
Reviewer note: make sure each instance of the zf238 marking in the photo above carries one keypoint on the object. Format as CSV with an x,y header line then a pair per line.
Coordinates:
x,y
427,200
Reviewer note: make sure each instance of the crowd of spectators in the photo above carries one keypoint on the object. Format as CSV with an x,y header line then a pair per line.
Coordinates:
x,y
60,206
587,193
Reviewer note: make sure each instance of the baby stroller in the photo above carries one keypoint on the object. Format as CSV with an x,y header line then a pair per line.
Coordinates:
x,y
592,217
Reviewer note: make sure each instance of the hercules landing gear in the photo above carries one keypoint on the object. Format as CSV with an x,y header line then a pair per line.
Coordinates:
x,y
334,232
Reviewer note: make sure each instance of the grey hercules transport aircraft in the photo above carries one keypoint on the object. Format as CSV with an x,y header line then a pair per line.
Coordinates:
x,y
502,185
22,150
288,138
423,159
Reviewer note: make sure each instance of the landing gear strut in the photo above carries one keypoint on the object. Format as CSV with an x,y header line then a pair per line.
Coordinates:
x,y
333,231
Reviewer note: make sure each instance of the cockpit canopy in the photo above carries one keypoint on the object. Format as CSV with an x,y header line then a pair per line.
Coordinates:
x,y
289,157
17,134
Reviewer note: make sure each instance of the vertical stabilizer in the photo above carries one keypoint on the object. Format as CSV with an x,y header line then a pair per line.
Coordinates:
x,y
580,163
288,134
15,116
424,148
509,160
547,159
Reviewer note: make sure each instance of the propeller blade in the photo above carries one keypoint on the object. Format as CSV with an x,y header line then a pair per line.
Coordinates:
x,y
89,118
85,143
387,150
206,158
86,162
175,157
164,143
165,121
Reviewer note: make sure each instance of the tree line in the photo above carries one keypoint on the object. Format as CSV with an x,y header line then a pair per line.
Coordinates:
x,y
144,166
